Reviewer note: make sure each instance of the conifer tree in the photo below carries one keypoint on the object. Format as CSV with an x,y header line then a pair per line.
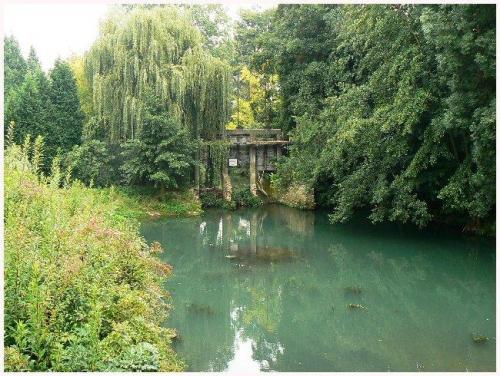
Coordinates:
x,y
67,116
14,66
29,108
33,63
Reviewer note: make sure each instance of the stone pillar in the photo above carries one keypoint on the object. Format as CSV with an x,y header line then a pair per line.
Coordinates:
x,y
253,170
278,151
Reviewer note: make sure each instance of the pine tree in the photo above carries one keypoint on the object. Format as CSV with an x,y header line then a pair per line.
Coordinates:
x,y
14,66
29,109
33,63
67,116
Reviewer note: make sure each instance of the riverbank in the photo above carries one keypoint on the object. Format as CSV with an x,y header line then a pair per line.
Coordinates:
x,y
145,202
82,287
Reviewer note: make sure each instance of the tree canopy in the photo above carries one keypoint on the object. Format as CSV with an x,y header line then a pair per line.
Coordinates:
x,y
15,66
40,105
392,108
155,48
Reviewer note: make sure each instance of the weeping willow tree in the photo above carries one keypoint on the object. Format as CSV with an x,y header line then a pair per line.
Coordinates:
x,y
155,48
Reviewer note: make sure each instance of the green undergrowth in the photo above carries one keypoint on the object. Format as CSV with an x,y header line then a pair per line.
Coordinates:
x,y
144,202
244,198
82,287
241,198
213,198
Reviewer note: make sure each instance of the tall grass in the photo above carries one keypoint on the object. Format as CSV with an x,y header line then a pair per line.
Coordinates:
x,y
82,288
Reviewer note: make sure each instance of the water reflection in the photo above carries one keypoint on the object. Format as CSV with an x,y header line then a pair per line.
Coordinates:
x,y
270,289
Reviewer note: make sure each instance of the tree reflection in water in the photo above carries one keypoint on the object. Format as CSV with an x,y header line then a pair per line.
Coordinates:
x,y
268,289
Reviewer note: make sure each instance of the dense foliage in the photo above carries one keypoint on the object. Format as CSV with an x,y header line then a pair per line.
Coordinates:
x,y
68,117
256,99
243,197
216,28
155,48
82,290
15,66
38,105
391,108
158,51
163,154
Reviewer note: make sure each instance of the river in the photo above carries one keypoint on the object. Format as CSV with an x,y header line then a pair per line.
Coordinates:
x,y
276,288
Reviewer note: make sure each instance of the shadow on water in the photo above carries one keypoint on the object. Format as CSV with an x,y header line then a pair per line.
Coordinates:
x,y
281,289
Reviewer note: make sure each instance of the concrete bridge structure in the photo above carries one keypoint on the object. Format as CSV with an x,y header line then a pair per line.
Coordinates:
x,y
255,149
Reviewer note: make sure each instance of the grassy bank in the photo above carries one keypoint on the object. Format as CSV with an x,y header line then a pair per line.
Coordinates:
x,y
145,202
82,288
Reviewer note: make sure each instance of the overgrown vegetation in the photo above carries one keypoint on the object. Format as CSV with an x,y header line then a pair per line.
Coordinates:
x,y
138,202
242,197
154,88
391,108
147,89
82,289
213,198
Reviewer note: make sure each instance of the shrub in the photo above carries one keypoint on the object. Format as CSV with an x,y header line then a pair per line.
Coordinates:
x,y
212,198
91,163
243,197
82,288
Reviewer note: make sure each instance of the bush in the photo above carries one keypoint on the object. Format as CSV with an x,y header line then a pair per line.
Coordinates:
x,y
82,288
213,198
163,154
92,163
244,198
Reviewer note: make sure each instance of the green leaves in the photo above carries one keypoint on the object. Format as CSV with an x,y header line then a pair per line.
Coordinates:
x,y
15,66
163,154
82,289
155,48
46,107
67,118
405,125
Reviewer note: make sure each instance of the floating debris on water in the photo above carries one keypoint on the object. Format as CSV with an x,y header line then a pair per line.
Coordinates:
x,y
356,306
352,290
264,254
213,275
479,338
154,214
175,335
200,309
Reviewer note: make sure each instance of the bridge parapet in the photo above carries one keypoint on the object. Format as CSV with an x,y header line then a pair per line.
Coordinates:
x,y
268,145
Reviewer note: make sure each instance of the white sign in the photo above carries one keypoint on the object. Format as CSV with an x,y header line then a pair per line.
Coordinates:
x,y
233,162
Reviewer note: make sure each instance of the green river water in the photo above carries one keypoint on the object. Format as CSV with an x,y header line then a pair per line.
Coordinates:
x,y
269,289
